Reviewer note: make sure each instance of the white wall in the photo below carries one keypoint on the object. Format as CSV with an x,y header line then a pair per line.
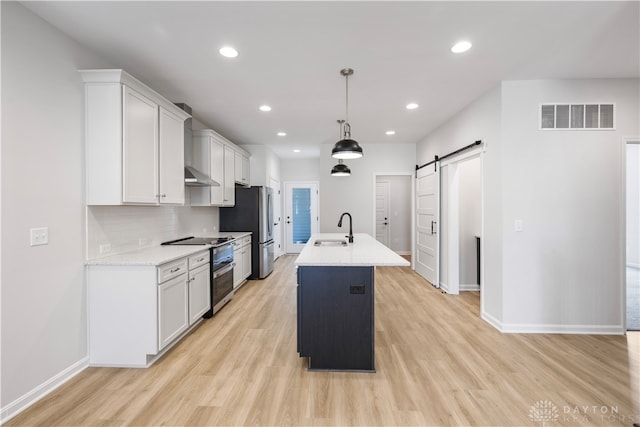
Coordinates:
x,y
563,272
400,213
633,205
300,169
264,164
479,120
43,307
44,318
355,193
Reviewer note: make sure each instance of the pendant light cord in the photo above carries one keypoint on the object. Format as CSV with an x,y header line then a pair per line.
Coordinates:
x,y
346,72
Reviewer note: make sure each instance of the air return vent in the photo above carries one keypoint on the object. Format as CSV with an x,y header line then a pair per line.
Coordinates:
x,y
567,116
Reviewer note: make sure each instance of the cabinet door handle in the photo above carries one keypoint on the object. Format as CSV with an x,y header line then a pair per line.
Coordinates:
x,y
201,259
173,270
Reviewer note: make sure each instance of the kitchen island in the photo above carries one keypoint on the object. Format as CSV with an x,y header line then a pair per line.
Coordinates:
x,y
335,298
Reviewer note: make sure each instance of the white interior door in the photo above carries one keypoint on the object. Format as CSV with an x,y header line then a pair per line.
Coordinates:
x,y
301,214
427,224
382,212
277,215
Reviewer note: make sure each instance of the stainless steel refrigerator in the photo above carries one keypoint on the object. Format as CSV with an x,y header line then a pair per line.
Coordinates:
x,y
253,212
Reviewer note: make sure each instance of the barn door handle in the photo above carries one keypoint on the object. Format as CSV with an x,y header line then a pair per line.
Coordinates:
x,y
433,223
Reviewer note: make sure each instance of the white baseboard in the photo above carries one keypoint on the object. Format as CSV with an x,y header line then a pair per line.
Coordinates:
x,y
31,397
444,287
491,320
470,287
524,328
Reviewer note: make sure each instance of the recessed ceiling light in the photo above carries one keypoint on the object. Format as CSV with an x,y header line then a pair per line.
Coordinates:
x,y
282,134
390,132
265,108
461,46
296,151
228,52
412,106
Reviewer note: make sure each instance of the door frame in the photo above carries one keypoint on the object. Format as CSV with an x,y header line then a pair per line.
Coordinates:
x,y
388,198
412,177
453,217
289,184
625,141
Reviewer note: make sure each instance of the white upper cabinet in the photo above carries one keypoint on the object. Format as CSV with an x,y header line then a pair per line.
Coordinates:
x,y
229,192
241,168
171,145
140,148
134,142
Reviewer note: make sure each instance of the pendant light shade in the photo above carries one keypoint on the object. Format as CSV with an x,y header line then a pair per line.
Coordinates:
x,y
340,170
347,148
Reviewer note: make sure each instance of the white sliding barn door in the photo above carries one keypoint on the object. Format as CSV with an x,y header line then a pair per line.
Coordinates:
x,y
427,224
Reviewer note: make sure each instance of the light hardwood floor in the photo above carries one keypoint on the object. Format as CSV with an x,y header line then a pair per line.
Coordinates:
x,y
437,363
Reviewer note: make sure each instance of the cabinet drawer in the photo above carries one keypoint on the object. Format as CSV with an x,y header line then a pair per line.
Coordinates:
x,y
171,270
245,241
198,259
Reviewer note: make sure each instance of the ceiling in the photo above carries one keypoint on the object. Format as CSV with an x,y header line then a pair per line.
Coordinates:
x,y
291,54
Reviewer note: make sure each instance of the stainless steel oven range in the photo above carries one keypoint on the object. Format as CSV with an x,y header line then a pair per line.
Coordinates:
x,y
221,276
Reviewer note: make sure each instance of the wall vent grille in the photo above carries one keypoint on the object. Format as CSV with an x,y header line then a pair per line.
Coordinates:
x,y
568,116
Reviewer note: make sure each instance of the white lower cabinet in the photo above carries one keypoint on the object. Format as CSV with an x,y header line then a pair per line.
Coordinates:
x,y
137,311
246,260
173,310
242,258
237,268
199,293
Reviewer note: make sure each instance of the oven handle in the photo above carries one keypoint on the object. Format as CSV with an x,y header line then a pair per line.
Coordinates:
x,y
223,270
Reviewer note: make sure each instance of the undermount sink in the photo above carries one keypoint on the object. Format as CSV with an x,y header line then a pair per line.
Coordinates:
x,y
330,242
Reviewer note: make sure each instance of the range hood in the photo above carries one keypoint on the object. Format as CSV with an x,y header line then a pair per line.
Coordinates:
x,y
192,176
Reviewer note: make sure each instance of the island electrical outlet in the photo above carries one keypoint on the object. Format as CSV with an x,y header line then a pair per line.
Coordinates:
x,y
356,289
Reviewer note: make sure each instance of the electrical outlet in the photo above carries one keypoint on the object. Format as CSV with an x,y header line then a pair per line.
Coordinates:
x,y
39,236
105,247
356,289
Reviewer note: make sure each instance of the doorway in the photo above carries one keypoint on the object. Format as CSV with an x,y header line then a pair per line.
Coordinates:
x,y
301,214
450,221
393,207
632,262
461,224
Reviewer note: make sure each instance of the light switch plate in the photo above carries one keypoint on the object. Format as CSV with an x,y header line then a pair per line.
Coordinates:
x,y
518,225
39,236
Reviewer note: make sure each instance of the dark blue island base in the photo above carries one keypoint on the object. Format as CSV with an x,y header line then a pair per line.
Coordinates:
x,y
336,318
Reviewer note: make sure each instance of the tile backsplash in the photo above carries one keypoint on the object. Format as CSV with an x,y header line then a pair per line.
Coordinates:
x,y
117,229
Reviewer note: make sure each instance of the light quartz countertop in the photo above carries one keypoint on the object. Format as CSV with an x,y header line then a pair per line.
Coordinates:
x,y
364,251
158,255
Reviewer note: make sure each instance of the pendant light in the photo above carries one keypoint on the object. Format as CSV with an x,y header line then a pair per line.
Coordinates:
x,y
346,148
340,169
